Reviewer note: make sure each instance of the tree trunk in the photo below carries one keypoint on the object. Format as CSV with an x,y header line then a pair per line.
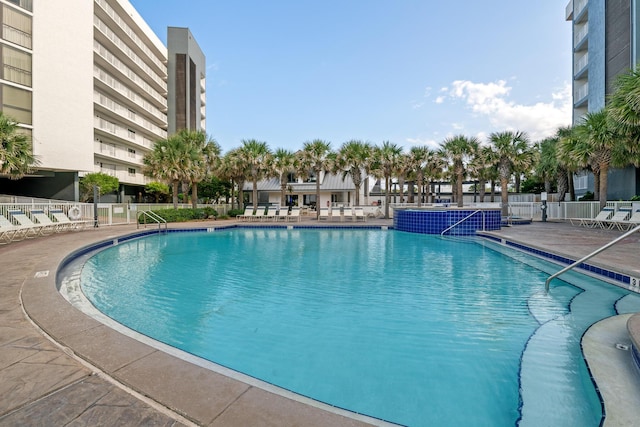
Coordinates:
x,y
493,190
482,190
387,196
604,169
318,194
596,185
401,188
504,194
420,190
572,188
194,195
459,196
174,186
255,193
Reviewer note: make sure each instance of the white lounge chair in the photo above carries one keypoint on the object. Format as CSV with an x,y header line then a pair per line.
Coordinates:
x,y
271,213
247,215
43,219
360,214
336,214
348,214
294,215
324,214
283,213
618,219
633,221
259,216
604,215
69,224
10,232
32,229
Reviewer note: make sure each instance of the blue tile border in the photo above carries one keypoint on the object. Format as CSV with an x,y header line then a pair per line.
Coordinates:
x,y
458,222
624,279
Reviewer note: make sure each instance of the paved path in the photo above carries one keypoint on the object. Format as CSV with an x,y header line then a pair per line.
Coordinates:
x,y
92,375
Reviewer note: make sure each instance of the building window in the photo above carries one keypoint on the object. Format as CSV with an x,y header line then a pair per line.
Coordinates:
x,y
25,4
16,27
16,66
132,153
16,103
132,172
581,182
132,134
109,149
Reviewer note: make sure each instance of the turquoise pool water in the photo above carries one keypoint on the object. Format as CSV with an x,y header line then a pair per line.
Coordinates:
x,y
409,328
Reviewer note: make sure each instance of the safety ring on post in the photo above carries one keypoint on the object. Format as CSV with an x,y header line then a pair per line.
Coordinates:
x,y
74,213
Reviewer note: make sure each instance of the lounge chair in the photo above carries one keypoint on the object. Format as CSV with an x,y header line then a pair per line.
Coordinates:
x,y
247,215
68,224
628,224
294,215
271,213
360,214
604,215
43,219
283,214
619,219
259,216
10,232
348,214
336,214
324,214
32,229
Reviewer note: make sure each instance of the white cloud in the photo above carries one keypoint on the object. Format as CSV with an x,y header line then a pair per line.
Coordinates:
x,y
419,142
439,100
415,104
490,100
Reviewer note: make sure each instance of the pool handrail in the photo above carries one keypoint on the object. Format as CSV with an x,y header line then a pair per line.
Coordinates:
x,y
154,216
592,254
461,221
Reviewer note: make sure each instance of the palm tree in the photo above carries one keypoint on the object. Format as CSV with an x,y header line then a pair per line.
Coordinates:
x,y
483,169
314,157
256,156
233,169
354,159
202,155
509,147
282,163
403,169
624,113
168,161
548,166
459,150
385,162
565,170
16,156
602,145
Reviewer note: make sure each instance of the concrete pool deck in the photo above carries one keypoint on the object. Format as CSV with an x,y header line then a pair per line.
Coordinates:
x,y
60,366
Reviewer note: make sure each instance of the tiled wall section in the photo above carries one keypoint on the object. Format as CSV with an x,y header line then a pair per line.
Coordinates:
x,y
435,222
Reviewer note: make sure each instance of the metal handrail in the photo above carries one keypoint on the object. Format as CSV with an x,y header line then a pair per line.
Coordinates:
x,y
592,254
462,220
154,216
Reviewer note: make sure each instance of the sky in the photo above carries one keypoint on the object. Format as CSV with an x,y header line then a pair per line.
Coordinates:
x,y
412,72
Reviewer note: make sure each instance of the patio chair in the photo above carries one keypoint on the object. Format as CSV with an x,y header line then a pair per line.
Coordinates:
x,y
69,224
10,232
633,221
360,214
618,220
247,215
348,214
604,215
294,215
32,229
324,214
336,215
271,213
283,213
43,219
259,216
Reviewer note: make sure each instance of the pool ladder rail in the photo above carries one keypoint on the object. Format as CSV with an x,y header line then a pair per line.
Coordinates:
x,y
463,220
154,217
592,254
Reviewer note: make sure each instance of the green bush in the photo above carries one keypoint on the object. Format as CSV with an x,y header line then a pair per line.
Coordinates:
x,y
235,212
587,197
182,215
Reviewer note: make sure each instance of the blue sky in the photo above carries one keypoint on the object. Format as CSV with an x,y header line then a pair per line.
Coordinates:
x,y
412,72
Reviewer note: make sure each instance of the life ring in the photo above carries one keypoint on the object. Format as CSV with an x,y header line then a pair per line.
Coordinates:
x,y
74,213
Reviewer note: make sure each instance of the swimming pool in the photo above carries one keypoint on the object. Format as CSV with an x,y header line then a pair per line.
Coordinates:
x,y
412,329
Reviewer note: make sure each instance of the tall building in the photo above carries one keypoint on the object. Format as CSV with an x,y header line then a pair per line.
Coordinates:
x,y
96,97
606,40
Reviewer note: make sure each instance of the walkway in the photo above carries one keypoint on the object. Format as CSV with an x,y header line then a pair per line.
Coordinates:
x,y
92,375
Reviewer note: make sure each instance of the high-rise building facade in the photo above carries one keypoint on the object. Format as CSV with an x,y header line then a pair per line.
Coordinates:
x,y
98,89
606,40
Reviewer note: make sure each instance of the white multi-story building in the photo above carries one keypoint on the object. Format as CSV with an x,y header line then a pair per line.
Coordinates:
x,y
98,91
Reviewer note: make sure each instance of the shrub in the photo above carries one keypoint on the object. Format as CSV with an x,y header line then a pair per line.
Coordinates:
x,y
182,215
235,212
587,196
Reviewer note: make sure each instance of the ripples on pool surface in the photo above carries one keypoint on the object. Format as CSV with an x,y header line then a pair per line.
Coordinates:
x,y
409,328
